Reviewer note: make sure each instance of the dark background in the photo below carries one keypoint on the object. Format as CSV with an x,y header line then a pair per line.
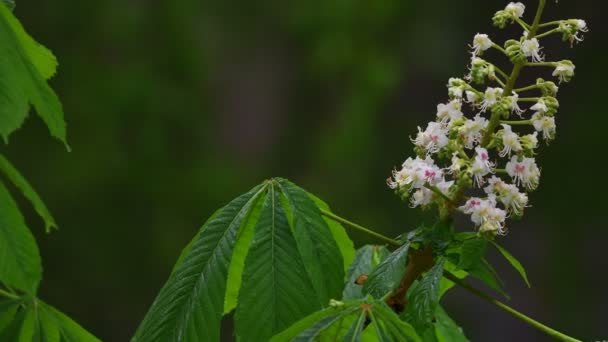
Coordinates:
x,y
176,107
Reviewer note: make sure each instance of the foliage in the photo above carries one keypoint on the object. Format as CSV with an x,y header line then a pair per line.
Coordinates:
x,y
25,67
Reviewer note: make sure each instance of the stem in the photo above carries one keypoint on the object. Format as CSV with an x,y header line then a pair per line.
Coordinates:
x,y
556,22
541,64
530,87
495,118
348,223
438,192
500,48
8,294
502,73
534,323
544,34
516,122
522,23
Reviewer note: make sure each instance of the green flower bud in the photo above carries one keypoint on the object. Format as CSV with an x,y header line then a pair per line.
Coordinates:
x,y
547,88
501,19
529,142
552,105
503,107
514,51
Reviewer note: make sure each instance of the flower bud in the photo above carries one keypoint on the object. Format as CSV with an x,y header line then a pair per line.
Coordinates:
x,y
529,143
571,29
552,105
514,51
547,88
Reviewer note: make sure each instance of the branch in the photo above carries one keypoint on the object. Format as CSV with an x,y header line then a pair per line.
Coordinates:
x,y
534,323
350,224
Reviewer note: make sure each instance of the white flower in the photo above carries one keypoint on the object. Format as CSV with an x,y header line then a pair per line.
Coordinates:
x,y
470,131
481,43
515,106
482,166
540,107
456,87
433,138
491,96
531,49
524,172
415,173
485,215
516,9
581,25
472,97
545,124
510,141
513,200
449,111
421,197
564,70
508,194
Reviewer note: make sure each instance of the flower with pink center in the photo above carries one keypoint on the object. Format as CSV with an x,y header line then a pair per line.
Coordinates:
x,y
470,131
481,166
524,172
433,138
448,112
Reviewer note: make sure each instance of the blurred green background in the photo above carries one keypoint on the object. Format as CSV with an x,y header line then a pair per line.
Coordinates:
x,y
176,107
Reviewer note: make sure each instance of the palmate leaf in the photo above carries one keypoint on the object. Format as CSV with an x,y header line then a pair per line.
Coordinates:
x,y
190,305
33,320
276,290
25,67
387,276
20,264
269,253
26,189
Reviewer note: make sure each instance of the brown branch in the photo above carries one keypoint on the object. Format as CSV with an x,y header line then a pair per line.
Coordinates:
x,y
420,262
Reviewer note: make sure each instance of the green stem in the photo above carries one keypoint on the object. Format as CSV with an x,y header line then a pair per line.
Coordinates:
x,y
532,322
8,294
439,193
350,224
523,24
541,64
502,73
516,122
508,88
500,48
530,87
550,23
544,34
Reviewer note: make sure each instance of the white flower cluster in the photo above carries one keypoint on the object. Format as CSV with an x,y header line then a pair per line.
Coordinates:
x,y
457,153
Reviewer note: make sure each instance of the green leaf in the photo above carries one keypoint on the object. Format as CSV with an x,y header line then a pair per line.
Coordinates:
x,y
354,332
445,285
483,271
26,189
401,331
69,330
10,4
347,248
237,263
25,68
513,261
34,320
276,289
366,259
190,305
298,327
20,264
423,297
316,244
387,276
446,329
472,251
